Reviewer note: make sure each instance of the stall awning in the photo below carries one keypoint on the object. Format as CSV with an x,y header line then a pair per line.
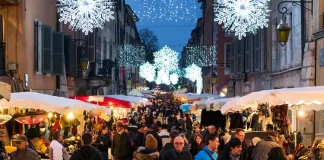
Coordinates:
x,y
104,101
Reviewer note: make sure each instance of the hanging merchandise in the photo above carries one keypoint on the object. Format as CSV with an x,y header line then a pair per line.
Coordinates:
x,y
280,118
242,16
85,15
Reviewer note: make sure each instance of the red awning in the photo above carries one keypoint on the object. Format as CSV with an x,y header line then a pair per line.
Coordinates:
x,y
104,101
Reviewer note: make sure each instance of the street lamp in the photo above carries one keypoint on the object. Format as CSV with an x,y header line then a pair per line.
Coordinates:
x,y
84,66
283,31
214,78
129,81
138,84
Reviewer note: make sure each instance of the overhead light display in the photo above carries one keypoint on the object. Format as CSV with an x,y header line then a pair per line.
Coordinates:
x,y
242,16
147,71
131,55
85,15
194,74
166,10
174,77
202,56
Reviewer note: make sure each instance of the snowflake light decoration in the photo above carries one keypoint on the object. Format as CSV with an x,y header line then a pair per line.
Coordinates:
x,y
174,77
194,73
200,55
242,16
130,55
166,58
85,14
163,76
147,71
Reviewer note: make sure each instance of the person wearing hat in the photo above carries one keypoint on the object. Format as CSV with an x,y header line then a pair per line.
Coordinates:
x,y
149,151
86,152
23,152
139,137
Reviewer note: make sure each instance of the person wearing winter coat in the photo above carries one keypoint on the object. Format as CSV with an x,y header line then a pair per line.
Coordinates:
x,y
169,145
103,142
149,151
262,149
86,152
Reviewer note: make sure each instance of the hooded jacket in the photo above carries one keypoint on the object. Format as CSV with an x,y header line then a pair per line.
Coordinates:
x,y
263,148
86,153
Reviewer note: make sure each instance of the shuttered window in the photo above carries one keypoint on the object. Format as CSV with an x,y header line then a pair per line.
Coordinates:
x,y
58,53
257,51
247,53
70,56
47,49
232,65
38,49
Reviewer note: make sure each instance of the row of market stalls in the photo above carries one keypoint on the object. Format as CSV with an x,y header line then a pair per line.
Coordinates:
x,y
30,112
283,108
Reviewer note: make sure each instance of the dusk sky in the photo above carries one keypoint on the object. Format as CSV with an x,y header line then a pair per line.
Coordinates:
x,y
170,33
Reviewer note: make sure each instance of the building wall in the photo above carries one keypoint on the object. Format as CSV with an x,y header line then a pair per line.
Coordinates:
x,y
19,39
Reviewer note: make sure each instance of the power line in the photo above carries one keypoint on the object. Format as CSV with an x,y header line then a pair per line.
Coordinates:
x,y
177,26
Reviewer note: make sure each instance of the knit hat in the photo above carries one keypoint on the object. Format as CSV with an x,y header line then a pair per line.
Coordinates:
x,y
255,141
150,142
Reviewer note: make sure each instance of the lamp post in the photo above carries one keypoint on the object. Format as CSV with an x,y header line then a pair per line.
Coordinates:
x,y
84,66
283,29
129,82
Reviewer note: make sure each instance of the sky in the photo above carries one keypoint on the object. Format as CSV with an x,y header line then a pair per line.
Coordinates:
x,y
173,34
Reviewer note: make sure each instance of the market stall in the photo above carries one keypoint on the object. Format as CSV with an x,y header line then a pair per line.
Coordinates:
x,y
192,97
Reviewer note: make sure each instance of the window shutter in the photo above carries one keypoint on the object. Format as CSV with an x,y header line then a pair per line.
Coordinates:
x,y
247,53
73,60
67,54
232,58
47,49
58,53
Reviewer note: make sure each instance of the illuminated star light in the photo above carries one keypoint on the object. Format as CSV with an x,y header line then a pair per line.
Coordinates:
x,y
85,14
194,73
166,58
242,16
147,71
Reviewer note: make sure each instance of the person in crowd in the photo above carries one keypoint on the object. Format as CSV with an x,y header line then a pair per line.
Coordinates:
x,y
102,142
132,128
3,152
262,149
169,145
23,152
234,151
188,121
210,130
139,137
86,151
56,149
164,134
240,134
177,126
154,130
121,147
269,128
196,145
250,149
186,145
178,153
209,151
149,151
276,153
37,144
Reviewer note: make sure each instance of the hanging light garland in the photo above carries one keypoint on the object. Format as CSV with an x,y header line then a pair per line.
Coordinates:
x,y
201,56
167,10
85,15
242,16
131,55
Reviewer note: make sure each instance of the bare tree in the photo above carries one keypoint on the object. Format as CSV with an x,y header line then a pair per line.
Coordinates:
x,y
151,43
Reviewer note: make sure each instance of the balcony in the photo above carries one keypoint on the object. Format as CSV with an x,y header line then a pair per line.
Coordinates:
x,y
8,2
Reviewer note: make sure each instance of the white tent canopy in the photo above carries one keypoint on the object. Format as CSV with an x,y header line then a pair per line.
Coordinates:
x,y
135,92
193,96
45,102
212,104
131,99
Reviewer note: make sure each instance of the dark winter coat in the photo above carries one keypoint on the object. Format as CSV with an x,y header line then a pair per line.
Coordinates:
x,y
263,148
86,153
121,147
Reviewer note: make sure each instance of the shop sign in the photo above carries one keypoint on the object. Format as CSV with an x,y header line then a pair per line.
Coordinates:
x,y
322,57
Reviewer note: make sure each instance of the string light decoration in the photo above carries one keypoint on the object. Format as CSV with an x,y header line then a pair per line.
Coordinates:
x,y
201,56
147,71
194,73
167,10
174,77
166,58
85,14
242,16
163,76
130,55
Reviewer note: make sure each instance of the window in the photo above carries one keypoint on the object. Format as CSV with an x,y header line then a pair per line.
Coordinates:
x,y
247,59
232,64
58,53
227,57
105,53
110,52
257,51
47,49
240,47
38,46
